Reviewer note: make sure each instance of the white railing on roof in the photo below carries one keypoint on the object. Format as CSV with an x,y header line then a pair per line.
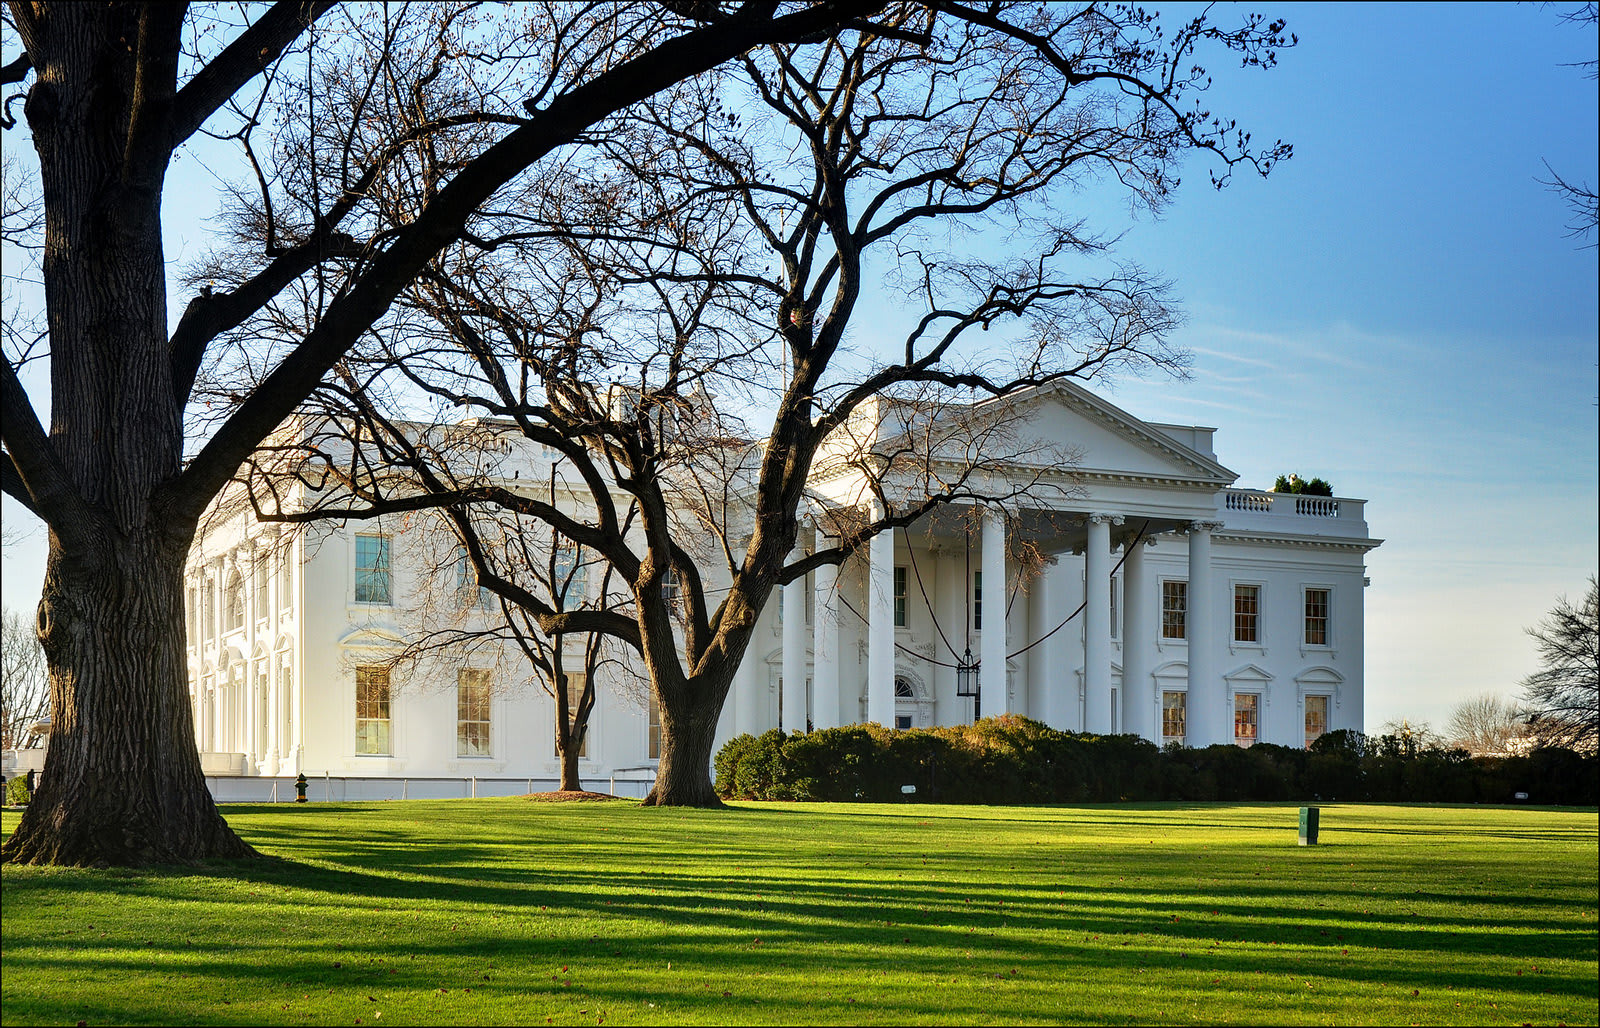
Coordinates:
x,y
1255,501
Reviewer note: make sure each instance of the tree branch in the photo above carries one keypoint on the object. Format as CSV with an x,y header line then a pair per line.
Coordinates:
x,y
239,62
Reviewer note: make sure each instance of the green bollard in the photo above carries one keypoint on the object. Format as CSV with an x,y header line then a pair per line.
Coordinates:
x,y
1309,818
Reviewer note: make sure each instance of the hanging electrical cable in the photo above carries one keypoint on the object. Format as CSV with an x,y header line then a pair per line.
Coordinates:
x,y
965,663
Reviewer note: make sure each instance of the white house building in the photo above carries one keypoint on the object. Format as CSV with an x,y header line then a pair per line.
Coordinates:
x,y
1141,593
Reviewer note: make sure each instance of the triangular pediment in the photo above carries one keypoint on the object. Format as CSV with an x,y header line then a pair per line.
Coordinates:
x,y
1107,439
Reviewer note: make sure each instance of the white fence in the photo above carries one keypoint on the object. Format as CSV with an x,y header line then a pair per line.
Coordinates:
x,y
342,789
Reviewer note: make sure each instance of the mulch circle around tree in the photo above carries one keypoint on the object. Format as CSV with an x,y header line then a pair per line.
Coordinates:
x,y
574,796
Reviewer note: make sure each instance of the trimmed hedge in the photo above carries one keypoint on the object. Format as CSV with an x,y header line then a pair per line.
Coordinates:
x,y
1011,759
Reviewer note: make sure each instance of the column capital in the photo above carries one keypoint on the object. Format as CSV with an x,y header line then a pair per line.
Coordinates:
x,y
1105,519
1203,526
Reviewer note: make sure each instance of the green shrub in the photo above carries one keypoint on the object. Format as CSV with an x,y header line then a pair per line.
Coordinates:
x,y
1014,760
17,791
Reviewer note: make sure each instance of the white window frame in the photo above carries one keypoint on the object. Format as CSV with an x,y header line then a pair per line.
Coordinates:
x,y
386,734
1183,694
1162,639
1305,714
901,596
567,679
1327,645
386,549
1234,642
1260,708
485,678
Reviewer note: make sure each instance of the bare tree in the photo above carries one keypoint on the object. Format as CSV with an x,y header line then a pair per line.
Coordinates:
x,y
117,91
1583,205
26,684
470,610
1484,725
700,268
1562,699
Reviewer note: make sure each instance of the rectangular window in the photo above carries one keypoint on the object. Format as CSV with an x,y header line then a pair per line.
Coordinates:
x,y
655,727
672,592
191,613
1247,613
373,569
372,710
569,576
468,592
977,601
1174,610
472,712
1245,706
574,686
1316,718
1116,622
900,597
263,577
1174,716
285,578
286,698
1316,617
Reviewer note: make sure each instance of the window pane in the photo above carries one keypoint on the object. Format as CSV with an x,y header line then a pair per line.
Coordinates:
x,y
1246,613
1244,718
1316,617
977,601
655,728
1316,718
574,686
372,569
1173,716
900,597
372,710
1174,610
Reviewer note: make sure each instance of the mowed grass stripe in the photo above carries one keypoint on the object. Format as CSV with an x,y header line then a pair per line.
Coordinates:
x,y
506,911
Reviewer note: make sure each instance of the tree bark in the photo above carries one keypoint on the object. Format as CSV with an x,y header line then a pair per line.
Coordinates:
x,y
688,735
570,782
122,782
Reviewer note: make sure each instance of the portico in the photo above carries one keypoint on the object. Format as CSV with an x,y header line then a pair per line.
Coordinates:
x,y
1069,596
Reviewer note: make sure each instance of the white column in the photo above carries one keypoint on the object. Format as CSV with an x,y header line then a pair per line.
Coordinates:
x,y
274,721
794,654
1054,703
880,629
751,717
825,648
1138,634
1036,704
1208,720
992,644
1097,627
950,594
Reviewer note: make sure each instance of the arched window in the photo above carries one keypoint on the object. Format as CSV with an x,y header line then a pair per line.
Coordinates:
x,y
903,690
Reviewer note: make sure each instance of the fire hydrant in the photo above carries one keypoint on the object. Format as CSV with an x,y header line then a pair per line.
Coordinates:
x,y
300,787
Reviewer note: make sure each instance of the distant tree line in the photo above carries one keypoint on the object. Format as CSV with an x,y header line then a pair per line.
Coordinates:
x,y
1014,760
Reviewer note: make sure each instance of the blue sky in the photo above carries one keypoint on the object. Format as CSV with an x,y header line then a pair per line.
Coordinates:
x,y
1397,309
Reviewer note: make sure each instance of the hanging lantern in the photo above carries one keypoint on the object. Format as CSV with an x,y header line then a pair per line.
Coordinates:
x,y
967,676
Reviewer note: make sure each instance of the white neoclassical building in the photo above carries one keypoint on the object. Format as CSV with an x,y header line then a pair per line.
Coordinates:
x,y
1135,591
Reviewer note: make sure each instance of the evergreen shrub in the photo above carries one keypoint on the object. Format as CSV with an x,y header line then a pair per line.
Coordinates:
x,y
1014,760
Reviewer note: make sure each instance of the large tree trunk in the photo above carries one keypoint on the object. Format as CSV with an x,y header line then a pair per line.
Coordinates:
x,y
122,782
688,734
569,745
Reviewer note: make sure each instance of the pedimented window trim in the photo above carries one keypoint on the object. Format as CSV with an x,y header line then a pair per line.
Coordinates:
x,y
370,638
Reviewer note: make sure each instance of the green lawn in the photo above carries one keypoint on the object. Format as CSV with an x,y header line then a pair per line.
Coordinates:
x,y
506,911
